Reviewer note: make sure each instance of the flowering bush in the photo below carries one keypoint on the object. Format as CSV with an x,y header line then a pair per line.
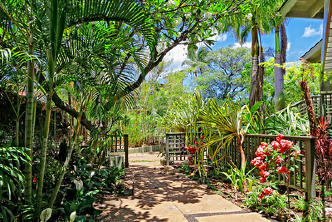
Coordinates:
x,y
273,159
194,149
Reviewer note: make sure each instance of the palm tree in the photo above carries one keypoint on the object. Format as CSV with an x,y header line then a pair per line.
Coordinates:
x,y
60,12
46,41
280,59
256,22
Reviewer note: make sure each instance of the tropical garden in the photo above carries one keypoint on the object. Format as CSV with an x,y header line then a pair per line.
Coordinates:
x,y
76,73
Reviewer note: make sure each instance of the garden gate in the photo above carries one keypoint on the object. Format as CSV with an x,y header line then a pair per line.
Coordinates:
x,y
118,146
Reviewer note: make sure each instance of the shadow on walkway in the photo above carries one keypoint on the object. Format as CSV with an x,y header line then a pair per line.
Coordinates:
x,y
152,186
162,195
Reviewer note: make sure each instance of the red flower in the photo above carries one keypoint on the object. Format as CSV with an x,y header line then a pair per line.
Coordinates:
x,y
268,151
260,152
34,179
280,137
262,180
263,144
257,161
202,137
264,173
192,150
275,145
189,158
202,143
191,163
265,192
285,145
261,196
282,169
264,167
279,160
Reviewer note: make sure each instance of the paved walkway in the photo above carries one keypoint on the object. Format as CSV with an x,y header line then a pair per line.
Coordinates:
x,y
163,195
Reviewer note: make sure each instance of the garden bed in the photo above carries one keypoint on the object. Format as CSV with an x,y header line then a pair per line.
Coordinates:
x,y
279,210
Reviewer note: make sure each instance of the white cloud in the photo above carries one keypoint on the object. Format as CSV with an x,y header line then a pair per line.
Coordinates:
x,y
310,32
244,45
289,45
179,54
220,38
176,57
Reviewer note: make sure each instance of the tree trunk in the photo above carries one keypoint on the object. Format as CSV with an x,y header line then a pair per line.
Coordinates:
x,y
28,138
278,77
310,108
280,59
17,138
239,141
51,70
254,78
43,154
278,83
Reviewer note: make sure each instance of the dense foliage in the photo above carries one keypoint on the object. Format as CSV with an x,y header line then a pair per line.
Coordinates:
x,y
75,73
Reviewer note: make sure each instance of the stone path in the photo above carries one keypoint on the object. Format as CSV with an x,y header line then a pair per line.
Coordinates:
x,y
161,195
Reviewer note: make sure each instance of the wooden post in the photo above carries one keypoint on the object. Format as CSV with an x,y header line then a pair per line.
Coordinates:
x,y
167,149
310,171
125,138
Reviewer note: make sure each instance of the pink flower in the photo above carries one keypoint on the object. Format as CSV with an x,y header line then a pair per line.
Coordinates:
x,y
282,169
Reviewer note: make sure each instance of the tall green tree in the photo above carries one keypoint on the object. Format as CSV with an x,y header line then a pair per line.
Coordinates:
x,y
220,73
254,22
46,41
280,59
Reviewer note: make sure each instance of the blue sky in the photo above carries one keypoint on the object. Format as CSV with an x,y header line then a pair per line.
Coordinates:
x,y
302,35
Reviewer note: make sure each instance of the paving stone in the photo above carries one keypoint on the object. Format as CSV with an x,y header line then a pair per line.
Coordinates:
x,y
160,196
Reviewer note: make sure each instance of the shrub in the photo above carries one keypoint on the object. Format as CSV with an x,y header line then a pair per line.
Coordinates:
x,y
277,158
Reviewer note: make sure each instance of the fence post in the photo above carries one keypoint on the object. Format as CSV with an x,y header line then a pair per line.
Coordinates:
x,y
125,137
310,175
167,149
